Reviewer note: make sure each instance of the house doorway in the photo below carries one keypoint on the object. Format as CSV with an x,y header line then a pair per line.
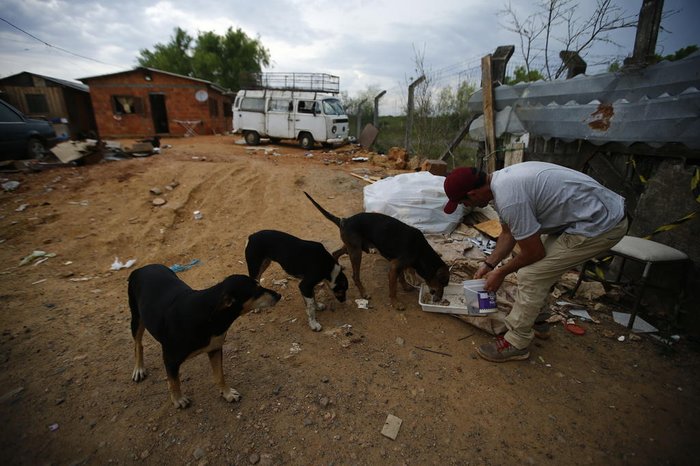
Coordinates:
x,y
158,113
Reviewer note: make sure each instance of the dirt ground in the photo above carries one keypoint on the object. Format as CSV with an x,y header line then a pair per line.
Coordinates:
x,y
309,398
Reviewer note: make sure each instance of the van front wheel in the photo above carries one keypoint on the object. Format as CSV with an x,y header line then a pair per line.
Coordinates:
x,y
252,138
306,141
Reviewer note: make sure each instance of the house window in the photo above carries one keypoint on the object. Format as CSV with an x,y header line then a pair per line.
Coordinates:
x,y
213,107
36,103
126,104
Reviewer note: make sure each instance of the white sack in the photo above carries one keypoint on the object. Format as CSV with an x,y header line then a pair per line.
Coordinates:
x,y
414,198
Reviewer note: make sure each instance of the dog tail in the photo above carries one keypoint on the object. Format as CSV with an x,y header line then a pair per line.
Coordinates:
x,y
337,220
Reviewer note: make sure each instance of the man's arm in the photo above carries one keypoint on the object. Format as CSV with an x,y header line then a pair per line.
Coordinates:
x,y
531,251
504,246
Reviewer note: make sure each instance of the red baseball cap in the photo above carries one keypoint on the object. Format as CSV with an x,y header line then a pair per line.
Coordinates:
x,y
457,184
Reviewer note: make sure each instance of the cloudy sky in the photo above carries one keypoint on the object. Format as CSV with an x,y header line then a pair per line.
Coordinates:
x,y
366,43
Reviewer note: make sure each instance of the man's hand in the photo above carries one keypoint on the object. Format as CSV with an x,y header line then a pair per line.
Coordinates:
x,y
494,280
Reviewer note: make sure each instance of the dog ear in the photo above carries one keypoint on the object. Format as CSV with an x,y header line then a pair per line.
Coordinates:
x,y
227,300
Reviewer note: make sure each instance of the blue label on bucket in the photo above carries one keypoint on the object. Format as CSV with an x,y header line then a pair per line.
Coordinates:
x,y
487,301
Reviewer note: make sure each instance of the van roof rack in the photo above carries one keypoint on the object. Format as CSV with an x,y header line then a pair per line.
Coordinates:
x,y
315,82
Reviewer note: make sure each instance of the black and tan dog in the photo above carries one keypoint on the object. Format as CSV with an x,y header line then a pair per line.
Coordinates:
x,y
403,245
188,322
307,260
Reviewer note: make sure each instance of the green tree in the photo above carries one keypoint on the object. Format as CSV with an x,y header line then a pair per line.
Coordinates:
x,y
227,60
521,75
678,54
173,56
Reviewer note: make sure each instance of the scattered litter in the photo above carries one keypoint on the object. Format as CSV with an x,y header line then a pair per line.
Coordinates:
x,y
583,315
21,207
391,426
296,348
39,261
360,159
621,338
362,303
197,215
573,328
35,255
281,282
81,279
10,185
181,268
39,281
667,341
82,203
118,265
432,351
640,325
485,245
53,427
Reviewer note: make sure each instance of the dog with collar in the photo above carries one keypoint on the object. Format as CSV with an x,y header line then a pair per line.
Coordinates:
x,y
402,245
189,322
307,260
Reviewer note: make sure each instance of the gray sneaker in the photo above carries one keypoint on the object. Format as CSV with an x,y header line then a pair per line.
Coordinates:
x,y
502,351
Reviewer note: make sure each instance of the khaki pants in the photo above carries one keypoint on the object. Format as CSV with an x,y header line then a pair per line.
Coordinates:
x,y
563,252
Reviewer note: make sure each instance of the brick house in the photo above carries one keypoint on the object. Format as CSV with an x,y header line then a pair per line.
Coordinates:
x,y
145,101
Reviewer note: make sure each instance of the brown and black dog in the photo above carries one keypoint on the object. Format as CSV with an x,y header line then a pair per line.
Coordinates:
x,y
189,322
402,245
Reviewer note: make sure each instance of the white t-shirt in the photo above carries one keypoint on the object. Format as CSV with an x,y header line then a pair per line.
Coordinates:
x,y
540,197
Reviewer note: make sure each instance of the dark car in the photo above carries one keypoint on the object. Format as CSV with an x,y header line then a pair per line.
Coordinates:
x,y
22,137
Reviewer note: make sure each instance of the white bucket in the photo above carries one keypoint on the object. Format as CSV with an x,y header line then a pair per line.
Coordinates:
x,y
479,301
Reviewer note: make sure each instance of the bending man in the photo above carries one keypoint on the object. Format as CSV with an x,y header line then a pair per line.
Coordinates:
x,y
559,218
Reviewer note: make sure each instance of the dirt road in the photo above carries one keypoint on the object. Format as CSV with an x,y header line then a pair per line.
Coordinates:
x,y
66,395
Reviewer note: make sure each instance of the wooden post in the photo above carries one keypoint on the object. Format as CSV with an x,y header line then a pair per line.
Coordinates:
x,y
489,124
647,33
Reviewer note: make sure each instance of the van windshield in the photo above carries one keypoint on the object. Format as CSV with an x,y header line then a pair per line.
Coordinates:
x,y
333,107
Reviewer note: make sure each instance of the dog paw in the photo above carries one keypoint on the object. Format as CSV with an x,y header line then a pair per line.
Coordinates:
x,y
139,374
182,402
315,326
231,395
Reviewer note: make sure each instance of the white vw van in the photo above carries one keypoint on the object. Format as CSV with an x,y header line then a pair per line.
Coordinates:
x,y
306,116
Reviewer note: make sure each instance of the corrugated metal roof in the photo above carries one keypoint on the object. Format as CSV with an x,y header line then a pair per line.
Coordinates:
x,y
656,105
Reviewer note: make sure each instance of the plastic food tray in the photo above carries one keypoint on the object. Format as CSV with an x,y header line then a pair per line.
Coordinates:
x,y
454,293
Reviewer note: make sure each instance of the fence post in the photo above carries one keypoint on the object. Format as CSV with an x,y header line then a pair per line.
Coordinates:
x,y
409,113
376,108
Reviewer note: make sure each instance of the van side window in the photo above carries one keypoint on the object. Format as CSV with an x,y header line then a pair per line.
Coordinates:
x,y
253,104
279,105
307,106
